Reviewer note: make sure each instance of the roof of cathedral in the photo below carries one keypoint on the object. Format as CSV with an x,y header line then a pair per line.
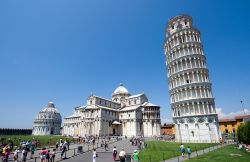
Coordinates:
x,y
128,108
90,107
121,90
80,107
108,108
73,116
138,95
105,99
149,104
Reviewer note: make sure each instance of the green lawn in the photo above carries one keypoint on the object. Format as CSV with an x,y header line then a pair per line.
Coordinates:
x,y
225,154
16,139
157,151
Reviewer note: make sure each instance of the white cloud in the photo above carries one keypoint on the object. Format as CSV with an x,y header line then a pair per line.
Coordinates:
x,y
230,115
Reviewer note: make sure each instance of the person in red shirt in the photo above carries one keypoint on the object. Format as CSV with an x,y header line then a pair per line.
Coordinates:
x,y
43,155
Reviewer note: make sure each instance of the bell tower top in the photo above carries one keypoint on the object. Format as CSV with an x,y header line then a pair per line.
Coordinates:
x,y
178,23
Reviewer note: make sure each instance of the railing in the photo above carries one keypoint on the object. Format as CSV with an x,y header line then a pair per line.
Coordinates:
x,y
177,156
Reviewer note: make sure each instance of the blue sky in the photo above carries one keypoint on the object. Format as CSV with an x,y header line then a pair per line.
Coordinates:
x,y
63,50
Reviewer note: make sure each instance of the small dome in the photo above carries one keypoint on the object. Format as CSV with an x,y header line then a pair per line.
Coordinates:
x,y
50,108
51,104
121,90
49,112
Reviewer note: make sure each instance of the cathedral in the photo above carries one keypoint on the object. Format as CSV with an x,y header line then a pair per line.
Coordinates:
x,y
124,114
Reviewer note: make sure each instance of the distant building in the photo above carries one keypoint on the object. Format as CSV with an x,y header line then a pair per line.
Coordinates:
x,y
168,129
190,89
48,121
246,118
124,114
228,125
231,125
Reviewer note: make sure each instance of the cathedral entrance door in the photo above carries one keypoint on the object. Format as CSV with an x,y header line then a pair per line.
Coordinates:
x,y
52,131
113,131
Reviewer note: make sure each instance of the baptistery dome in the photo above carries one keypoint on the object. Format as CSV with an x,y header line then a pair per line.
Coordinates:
x,y
47,121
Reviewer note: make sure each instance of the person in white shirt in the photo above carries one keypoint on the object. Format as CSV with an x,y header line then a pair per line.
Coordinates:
x,y
16,155
24,154
94,155
122,155
61,145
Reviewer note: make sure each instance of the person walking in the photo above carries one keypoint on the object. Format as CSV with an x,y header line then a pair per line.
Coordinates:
x,y
57,145
94,155
43,155
48,156
189,151
6,154
64,147
122,155
60,145
106,146
32,151
16,155
114,153
182,149
102,144
53,155
136,156
24,154
68,144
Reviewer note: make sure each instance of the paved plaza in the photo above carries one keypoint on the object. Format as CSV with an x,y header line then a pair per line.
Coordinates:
x,y
104,156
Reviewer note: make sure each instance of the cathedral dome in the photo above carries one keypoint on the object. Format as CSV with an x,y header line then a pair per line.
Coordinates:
x,y
120,90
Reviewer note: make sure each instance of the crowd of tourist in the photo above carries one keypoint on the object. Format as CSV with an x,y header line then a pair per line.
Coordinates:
x,y
137,141
23,148
48,155
28,147
244,146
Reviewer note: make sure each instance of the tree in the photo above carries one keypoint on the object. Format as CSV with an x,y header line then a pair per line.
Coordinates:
x,y
243,133
247,131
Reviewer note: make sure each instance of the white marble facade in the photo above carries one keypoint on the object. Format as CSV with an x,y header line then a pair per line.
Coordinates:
x,y
124,114
191,96
48,121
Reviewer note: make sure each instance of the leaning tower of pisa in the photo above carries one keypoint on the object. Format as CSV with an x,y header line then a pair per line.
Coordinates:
x,y
192,102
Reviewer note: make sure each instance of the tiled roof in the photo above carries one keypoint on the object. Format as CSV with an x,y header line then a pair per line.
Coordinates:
x,y
241,116
226,120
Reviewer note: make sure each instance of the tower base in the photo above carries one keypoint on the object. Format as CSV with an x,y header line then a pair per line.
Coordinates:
x,y
197,130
